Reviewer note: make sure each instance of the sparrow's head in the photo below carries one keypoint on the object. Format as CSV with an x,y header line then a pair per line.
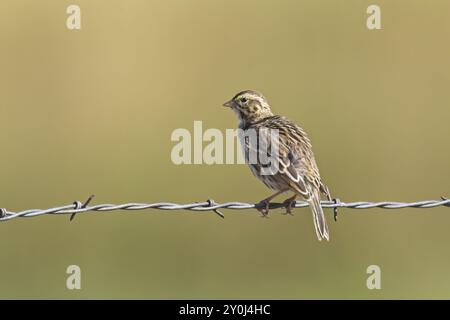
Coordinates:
x,y
250,106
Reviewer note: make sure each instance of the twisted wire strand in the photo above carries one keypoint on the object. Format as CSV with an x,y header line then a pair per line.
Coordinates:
x,y
210,205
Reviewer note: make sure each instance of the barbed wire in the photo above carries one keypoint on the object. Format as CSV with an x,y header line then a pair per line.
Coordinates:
x,y
210,205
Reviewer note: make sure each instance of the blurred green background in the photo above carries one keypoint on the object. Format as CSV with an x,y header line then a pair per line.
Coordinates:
x,y
91,112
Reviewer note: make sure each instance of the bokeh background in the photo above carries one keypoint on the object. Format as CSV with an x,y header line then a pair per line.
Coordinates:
x,y
91,112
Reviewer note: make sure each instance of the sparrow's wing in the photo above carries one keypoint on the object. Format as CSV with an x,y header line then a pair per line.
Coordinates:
x,y
297,164
297,167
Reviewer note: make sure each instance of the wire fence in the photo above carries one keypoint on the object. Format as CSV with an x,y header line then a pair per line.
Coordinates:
x,y
209,205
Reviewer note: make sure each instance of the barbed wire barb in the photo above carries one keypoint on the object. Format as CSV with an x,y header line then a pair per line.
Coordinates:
x,y
210,205
78,205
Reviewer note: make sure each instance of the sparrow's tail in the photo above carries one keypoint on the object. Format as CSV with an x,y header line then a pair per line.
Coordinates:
x,y
320,224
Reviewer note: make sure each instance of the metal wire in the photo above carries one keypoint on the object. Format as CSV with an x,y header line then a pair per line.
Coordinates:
x,y
210,205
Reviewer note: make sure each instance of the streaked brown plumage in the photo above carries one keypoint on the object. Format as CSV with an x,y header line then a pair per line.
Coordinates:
x,y
297,168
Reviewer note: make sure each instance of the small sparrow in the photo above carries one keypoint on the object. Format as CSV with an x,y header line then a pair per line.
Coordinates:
x,y
297,169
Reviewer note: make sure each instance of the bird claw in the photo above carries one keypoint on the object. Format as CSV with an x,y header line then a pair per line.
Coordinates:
x,y
289,204
263,208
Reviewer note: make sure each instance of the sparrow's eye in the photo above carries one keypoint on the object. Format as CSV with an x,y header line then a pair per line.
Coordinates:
x,y
244,100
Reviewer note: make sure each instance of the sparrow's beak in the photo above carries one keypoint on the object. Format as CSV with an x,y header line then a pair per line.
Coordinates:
x,y
229,104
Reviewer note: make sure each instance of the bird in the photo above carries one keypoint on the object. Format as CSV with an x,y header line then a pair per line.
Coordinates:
x,y
297,171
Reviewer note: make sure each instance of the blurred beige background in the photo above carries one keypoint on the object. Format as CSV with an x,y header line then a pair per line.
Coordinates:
x,y
92,111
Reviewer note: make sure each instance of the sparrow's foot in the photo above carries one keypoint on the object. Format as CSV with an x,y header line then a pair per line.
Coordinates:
x,y
263,208
289,204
